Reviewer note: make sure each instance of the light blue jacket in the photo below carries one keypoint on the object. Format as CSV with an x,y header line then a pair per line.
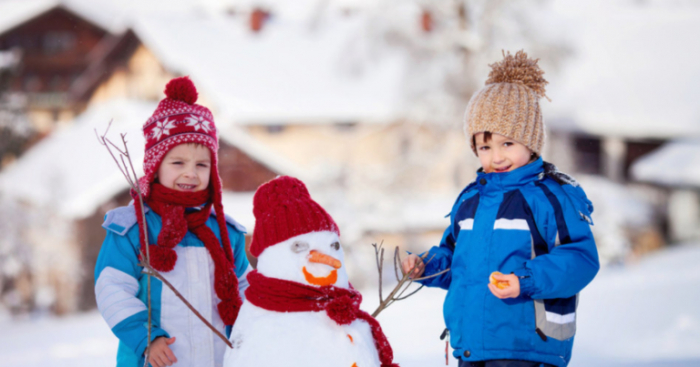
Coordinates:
x,y
121,291
533,222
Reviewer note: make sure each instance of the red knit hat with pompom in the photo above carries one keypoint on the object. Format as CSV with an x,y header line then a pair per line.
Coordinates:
x,y
284,209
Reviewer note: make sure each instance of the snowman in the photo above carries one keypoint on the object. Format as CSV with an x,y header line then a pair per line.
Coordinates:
x,y
300,309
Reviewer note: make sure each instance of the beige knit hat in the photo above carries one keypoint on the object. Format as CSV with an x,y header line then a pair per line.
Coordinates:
x,y
509,103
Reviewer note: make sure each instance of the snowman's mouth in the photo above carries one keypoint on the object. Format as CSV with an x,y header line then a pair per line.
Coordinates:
x,y
329,279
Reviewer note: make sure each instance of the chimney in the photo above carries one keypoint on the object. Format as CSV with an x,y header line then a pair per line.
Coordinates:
x,y
257,19
426,21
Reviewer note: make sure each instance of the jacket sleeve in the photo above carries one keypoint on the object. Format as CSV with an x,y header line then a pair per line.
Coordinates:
x,y
569,266
117,287
440,258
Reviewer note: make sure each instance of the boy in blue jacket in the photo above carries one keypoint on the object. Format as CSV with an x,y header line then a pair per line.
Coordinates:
x,y
194,246
521,220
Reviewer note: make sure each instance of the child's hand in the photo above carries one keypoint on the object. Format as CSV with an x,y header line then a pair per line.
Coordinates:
x,y
512,290
161,355
408,263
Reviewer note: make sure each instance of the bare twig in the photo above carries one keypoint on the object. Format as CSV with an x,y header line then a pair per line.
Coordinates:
x,y
131,177
404,282
397,263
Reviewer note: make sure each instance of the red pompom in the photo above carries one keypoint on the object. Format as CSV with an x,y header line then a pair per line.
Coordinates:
x,y
162,258
181,89
342,310
228,310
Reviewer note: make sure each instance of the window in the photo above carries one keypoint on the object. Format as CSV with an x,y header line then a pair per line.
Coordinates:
x,y
275,129
346,126
588,154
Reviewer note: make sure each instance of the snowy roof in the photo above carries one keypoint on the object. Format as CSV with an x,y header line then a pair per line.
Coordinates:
x,y
69,171
675,164
633,71
292,71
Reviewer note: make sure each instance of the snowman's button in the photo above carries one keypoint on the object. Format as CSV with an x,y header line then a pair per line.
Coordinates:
x,y
350,337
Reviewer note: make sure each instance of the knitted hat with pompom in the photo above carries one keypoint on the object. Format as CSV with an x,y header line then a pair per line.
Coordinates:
x,y
284,209
509,103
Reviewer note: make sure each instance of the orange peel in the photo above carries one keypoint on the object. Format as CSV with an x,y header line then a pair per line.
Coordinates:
x,y
500,284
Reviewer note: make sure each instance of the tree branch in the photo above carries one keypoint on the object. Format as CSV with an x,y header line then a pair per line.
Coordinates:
x,y
404,282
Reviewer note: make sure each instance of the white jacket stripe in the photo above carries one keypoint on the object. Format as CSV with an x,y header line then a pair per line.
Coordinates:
x,y
520,224
466,225
115,292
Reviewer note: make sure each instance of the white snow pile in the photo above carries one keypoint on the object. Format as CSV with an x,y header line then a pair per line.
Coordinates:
x,y
643,314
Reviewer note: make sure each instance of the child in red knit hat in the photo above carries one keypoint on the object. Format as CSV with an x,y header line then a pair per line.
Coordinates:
x,y
191,242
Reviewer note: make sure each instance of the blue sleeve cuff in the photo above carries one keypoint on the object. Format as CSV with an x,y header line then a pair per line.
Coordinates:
x,y
527,285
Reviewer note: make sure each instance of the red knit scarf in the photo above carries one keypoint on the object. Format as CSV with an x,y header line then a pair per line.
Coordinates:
x,y
170,205
342,305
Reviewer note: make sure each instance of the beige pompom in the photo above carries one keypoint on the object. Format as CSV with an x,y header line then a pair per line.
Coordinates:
x,y
518,69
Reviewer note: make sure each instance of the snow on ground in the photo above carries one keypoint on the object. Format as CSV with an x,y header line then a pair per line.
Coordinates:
x,y
642,314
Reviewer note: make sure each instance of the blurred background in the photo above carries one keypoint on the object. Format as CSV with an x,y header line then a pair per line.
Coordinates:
x,y
362,100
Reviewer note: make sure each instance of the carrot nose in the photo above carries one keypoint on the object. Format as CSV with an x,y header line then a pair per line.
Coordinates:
x,y
317,257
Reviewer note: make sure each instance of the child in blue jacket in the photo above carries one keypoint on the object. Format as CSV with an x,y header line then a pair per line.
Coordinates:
x,y
195,247
519,245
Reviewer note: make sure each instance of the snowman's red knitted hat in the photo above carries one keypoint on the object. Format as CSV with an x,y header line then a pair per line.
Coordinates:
x,y
284,209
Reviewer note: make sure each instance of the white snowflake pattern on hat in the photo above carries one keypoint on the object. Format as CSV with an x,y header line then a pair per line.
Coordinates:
x,y
162,128
199,122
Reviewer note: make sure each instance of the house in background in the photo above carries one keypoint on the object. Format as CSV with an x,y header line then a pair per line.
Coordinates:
x,y
64,51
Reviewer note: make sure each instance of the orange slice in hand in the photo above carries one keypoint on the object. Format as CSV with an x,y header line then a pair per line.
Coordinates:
x,y
500,284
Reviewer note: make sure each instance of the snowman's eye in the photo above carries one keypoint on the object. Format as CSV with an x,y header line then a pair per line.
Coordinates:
x,y
335,246
299,246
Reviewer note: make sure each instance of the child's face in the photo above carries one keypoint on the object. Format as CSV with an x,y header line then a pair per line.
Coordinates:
x,y
501,154
186,168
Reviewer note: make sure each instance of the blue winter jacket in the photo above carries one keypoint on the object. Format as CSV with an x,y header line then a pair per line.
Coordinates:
x,y
121,291
533,222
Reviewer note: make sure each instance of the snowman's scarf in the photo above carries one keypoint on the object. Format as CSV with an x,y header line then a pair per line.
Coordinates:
x,y
170,205
342,305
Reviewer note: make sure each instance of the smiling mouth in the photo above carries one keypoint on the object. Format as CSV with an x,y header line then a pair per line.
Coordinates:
x,y
329,279
504,169
186,187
